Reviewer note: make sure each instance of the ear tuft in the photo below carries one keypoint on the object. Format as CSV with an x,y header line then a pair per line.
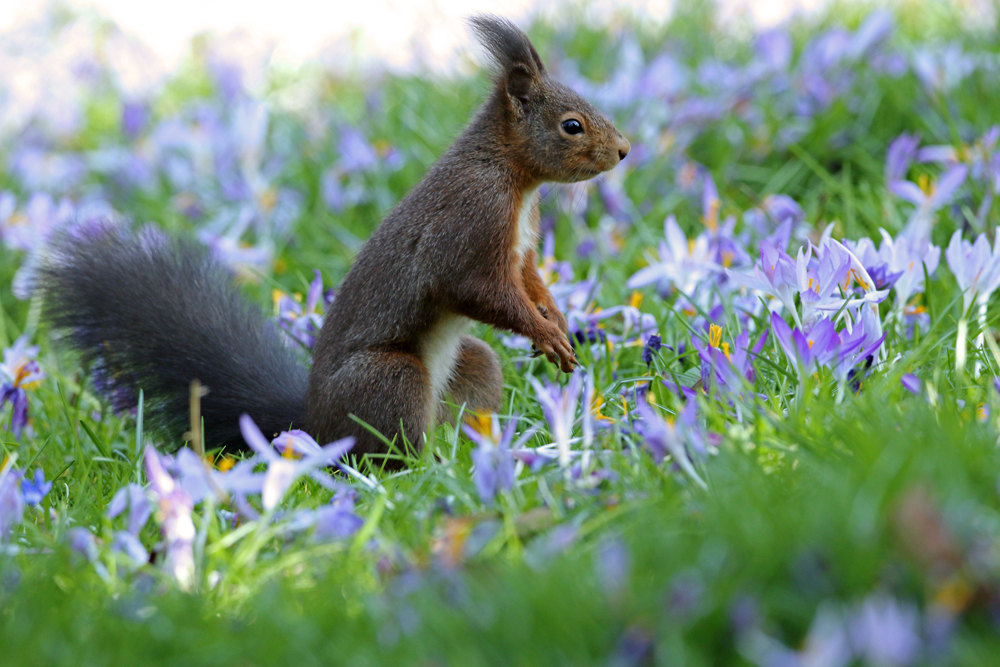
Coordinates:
x,y
506,44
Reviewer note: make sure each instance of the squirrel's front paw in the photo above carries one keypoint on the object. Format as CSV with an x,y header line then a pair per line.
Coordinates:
x,y
554,344
557,318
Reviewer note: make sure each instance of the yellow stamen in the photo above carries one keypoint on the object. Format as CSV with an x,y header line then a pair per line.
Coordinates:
x,y
926,185
226,463
268,199
858,279
690,246
913,308
725,351
712,215
595,409
636,300
714,335
483,425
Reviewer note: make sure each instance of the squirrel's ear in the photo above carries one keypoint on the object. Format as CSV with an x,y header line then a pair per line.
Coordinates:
x,y
518,84
506,45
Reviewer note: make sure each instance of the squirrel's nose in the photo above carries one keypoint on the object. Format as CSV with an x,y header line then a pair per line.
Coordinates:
x,y
623,148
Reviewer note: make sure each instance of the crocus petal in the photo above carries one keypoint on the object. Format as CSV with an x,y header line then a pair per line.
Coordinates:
x,y
911,192
949,182
254,438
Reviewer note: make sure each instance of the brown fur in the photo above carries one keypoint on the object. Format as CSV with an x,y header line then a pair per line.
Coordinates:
x,y
478,380
447,250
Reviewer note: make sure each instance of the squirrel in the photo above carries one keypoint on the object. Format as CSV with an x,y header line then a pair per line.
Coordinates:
x,y
158,313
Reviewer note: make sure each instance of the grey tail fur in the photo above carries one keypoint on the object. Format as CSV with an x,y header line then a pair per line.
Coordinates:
x,y
155,313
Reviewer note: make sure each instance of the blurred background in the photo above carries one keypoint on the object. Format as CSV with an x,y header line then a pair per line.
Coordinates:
x,y
400,33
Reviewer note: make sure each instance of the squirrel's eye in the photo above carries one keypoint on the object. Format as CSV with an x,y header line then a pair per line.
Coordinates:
x,y
572,126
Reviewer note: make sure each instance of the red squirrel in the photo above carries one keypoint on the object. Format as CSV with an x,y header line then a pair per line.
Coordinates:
x,y
156,313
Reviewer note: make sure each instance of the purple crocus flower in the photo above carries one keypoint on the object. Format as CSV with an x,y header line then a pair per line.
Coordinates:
x,y
682,265
862,341
11,500
200,480
976,267
776,220
774,49
493,464
912,384
124,542
559,405
902,150
877,268
827,644
42,216
651,348
617,203
552,270
820,285
302,324
671,437
936,196
82,541
492,458
885,631
135,117
636,330
727,368
775,274
35,489
356,154
818,348
724,249
942,67
174,508
248,261
282,468
337,521
133,498
19,372
823,346
908,257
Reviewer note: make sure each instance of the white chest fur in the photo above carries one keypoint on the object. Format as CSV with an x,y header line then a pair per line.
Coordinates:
x,y
527,226
439,350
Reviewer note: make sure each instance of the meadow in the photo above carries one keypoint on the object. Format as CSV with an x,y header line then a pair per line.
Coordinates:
x,y
780,449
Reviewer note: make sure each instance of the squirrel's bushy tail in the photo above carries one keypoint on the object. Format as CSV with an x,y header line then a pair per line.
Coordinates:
x,y
155,313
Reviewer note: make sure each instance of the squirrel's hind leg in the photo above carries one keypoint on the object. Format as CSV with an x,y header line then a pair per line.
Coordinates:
x,y
476,382
387,389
